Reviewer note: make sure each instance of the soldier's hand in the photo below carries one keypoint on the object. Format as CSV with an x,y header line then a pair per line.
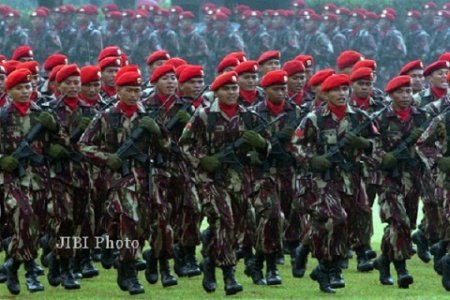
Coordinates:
x,y
150,125
355,141
183,116
444,164
389,161
9,163
416,133
254,139
58,152
210,163
113,162
286,133
84,123
320,163
47,120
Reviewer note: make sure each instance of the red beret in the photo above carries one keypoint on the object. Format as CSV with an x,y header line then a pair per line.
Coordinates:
x,y
440,64
220,16
445,56
4,9
224,10
55,70
207,7
268,12
115,15
389,10
241,8
329,16
163,12
67,71
187,15
429,5
176,9
140,14
224,79
110,7
448,77
179,69
39,13
348,59
13,14
293,67
32,66
54,60
343,11
161,71
158,55
412,65
128,13
268,55
320,76
10,65
329,7
388,16
176,62
226,63
299,3
250,66
357,14
307,60
398,82
371,16
414,14
191,72
17,77
90,74
443,13
366,63
129,79
110,62
61,10
362,73
334,81
109,51
277,77
240,55
313,17
88,10
153,8
22,51
2,58
124,60
126,69
253,13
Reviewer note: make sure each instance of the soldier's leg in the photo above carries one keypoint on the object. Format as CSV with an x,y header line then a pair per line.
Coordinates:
x,y
445,261
292,225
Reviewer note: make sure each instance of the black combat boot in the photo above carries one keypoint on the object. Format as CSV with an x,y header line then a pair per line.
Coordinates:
x,y
438,250
140,264
107,255
321,275
300,260
2,274
205,238
335,276
290,247
272,274
179,257
209,275
191,262
370,253
280,258
421,242
254,269
88,270
33,283
231,285
67,278
382,264
445,263
134,287
43,241
122,279
96,254
12,281
404,279
151,271
364,264
54,271
167,279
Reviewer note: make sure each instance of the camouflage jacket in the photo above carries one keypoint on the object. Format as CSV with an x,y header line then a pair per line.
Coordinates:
x,y
14,39
318,45
67,35
194,48
363,42
45,43
435,108
418,44
287,41
259,97
119,37
339,42
168,39
440,43
391,48
224,43
257,42
142,45
374,105
86,46
424,98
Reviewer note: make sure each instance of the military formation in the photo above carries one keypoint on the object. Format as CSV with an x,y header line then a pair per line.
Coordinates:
x,y
277,129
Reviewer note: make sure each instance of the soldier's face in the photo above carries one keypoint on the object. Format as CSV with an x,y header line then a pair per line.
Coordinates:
x,y
338,96
159,20
248,81
428,13
140,24
34,82
410,21
228,94
310,25
252,22
309,72
220,24
267,21
70,87
417,80
82,19
276,93
2,83
156,64
296,82
277,22
185,23
402,97
270,65
129,95
438,21
12,21
37,22
193,87
21,92
167,84
112,23
362,88
354,22
91,90
439,78
108,75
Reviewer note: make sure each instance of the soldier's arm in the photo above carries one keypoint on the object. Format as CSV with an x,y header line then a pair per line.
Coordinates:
x,y
303,143
193,140
92,141
429,147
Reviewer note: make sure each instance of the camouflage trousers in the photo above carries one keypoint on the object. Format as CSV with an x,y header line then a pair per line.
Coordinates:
x,y
289,204
432,199
398,208
20,213
445,232
305,197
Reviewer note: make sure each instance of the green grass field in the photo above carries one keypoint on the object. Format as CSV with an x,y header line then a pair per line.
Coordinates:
x,y
427,285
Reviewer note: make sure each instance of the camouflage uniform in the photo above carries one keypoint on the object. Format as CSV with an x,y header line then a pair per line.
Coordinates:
x,y
142,44
440,43
424,98
259,97
86,46
318,45
257,41
224,43
339,42
168,39
287,41
44,43
118,37
194,48
363,42
67,35
391,52
418,44
14,38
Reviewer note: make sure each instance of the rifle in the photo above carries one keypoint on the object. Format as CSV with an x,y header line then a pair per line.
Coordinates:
x,y
228,154
334,155
279,152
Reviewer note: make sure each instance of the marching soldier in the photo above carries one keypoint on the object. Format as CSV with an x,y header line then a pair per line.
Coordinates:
x,y
109,67
436,75
440,39
269,61
62,19
359,39
417,40
15,35
249,92
114,33
258,40
285,38
414,69
193,45
296,82
336,37
167,38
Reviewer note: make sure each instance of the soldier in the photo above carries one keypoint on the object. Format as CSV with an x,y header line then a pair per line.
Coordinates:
x,y
440,39
192,81
315,83
114,33
436,75
340,202
414,69
3,94
343,15
402,179
90,77
376,93
371,20
23,53
192,44
337,38
296,82
429,11
269,61
109,67
62,19
43,40
51,62
15,35
167,38
256,36
249,93
174,18
88,42
359,39
417,40
285,38
36,96
346,60
308,62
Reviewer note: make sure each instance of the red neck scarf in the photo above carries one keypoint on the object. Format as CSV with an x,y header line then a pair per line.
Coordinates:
x,y
248,97
3,100
355,31
89,102
338,111
71,102
128,110
22,107
109,90
163,98
414,27
187,30
362,103
438,92
229,110
276,109
298,99
34,96
317,102
198,102
403,114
